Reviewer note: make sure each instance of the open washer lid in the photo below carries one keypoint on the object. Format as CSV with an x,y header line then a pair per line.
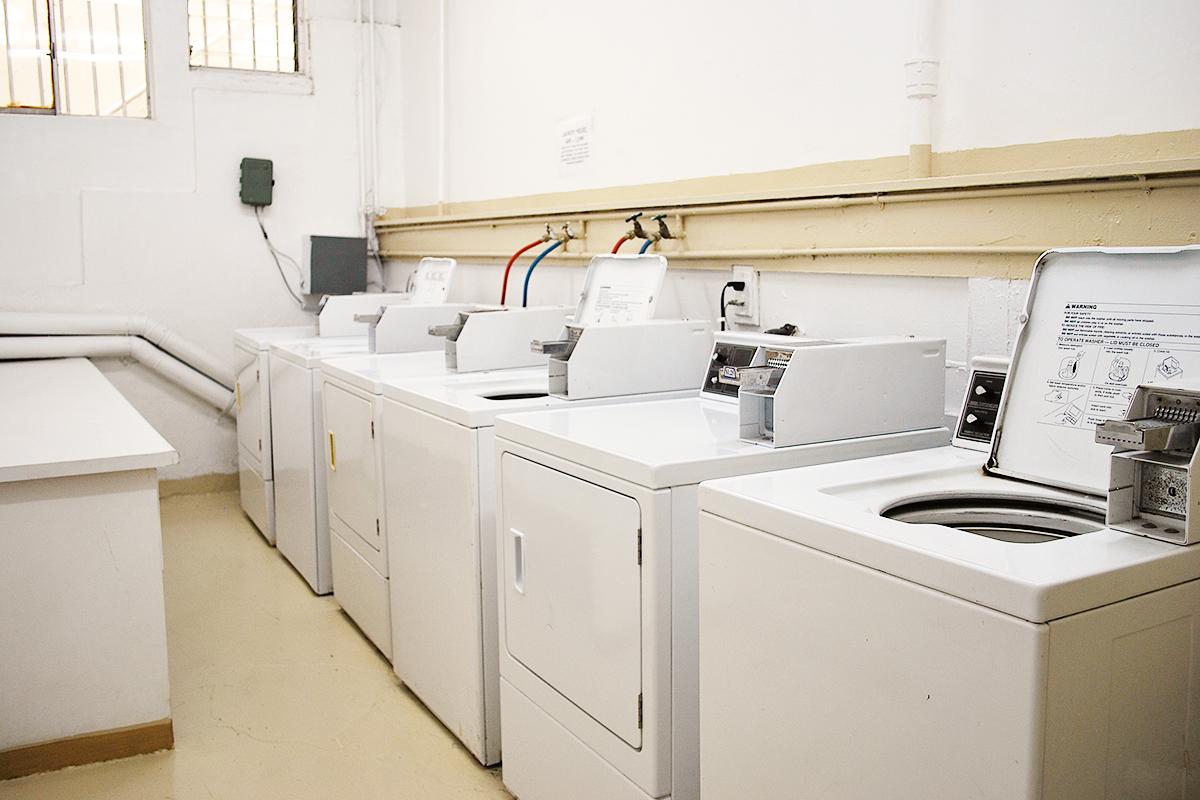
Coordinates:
x,y
1097,323
620,289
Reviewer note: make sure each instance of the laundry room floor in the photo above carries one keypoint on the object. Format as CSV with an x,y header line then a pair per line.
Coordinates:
x,y
274,693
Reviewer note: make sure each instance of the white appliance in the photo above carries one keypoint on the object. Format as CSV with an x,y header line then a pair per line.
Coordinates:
x,y
956,624
597,562
297,430
252,394
476,338
439,474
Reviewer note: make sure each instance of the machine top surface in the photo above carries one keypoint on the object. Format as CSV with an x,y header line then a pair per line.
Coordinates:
x,y
680,442
370,372
839,509
309,352
261,339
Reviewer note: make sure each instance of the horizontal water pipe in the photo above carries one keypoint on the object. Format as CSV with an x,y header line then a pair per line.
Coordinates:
x,y
35,323
164,364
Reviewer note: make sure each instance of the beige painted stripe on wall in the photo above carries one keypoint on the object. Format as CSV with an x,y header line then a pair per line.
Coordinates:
x,y
991,217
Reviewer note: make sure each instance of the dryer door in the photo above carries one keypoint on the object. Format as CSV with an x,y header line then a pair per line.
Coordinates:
x,y
350,462
572,589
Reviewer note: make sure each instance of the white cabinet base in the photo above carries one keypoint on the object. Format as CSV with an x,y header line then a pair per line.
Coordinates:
x,y
83,639
567,767
361,591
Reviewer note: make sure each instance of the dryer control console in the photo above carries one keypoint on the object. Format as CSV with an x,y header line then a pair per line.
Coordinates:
x,y
825,390
1153,475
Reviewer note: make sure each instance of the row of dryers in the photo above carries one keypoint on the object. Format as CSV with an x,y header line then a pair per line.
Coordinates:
x,y
653,562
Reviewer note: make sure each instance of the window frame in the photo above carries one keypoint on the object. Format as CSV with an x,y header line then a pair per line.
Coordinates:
x,y
57,84
240,76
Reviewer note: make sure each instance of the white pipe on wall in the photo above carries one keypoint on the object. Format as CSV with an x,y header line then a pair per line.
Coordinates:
x,y
443,67
13,323
921,85
208,390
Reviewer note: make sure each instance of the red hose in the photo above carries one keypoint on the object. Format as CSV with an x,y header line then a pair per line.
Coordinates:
x,y
508,267
620,242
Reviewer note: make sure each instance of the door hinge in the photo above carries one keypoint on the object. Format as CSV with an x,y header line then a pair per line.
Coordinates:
x,y
639,546
639,712
260,445
258,375
372,429
377,526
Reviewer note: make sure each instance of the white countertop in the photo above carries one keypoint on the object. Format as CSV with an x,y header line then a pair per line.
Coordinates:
x,y
62,417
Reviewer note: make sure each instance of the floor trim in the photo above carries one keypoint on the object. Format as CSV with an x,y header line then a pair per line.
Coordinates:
x,y
87,748
199,484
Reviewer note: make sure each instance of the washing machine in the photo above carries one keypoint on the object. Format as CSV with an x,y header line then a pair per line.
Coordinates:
x,y
960,624
439,475
253,397
596,545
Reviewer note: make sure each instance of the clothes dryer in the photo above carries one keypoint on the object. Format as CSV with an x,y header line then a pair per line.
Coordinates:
x,y
596,545
439,477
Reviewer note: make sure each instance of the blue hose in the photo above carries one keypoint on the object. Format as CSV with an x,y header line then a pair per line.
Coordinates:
x,y
645,246
529,272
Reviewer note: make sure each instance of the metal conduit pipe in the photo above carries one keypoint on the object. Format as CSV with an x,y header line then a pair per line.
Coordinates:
x,y
751,206
208,390
18,323
777,253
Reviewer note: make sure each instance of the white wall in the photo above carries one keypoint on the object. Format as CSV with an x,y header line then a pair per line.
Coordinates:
x,y
680,89
142,216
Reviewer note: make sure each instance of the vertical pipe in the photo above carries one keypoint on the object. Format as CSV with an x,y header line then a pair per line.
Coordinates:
x,y
442,132
921,85
229,33
360,113
372,114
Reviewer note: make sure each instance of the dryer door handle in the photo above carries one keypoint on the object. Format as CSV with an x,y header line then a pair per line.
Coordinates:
x,y
518,560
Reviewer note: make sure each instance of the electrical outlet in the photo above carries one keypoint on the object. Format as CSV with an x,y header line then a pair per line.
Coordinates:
x,y
743,310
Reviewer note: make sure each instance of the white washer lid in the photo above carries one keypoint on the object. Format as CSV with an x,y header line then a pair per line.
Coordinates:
x,y
620,289
432,281
1097,323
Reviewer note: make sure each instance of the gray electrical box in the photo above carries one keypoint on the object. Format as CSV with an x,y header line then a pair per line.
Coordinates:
x,y
256,182
336,264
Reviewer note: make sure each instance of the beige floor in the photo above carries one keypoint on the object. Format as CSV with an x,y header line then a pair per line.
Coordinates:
x,y
274,693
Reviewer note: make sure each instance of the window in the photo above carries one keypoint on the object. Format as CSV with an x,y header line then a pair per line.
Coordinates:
x,y
244,34
85,57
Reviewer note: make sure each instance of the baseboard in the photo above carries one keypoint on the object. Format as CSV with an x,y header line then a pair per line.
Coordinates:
x,y
87,748
199,484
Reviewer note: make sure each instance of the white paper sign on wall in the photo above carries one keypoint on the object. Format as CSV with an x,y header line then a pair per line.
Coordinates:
x,y
574,145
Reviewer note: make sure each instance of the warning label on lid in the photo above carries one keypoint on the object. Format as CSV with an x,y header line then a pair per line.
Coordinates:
x,y
1105,350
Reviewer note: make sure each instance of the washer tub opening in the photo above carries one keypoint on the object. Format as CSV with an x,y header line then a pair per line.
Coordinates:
x,y
515,395
1018,521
